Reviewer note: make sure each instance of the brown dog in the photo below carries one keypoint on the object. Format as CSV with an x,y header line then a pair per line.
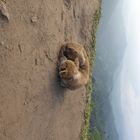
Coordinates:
x,y
73,66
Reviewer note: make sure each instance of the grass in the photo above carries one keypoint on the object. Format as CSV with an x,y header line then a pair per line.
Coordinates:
x,y
86,133
95,136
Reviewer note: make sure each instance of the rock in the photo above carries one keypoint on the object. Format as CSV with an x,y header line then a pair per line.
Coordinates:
x,y
3,11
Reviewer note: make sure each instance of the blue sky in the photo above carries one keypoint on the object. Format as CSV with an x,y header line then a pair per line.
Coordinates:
x,y
126,104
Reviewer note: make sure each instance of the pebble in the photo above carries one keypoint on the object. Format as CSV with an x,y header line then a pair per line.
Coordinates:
x,y
34,19
2,43
25,103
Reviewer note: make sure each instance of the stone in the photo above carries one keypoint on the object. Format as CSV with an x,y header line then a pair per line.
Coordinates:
x,y
34,19
3,11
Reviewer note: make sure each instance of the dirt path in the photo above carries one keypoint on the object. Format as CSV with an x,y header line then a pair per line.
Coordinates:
x,y
32,104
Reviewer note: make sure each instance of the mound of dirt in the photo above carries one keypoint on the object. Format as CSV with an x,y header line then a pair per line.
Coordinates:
x,y
32,104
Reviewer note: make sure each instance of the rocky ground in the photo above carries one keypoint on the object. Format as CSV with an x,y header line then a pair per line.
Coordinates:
x,y
32,104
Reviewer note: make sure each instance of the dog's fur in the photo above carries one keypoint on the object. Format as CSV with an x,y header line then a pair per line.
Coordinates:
x,y
73,66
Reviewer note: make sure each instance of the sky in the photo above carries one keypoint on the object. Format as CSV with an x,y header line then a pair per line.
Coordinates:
x,y
126,90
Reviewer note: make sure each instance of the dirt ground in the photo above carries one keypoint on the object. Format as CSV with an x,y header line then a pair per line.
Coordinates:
x,y
32,104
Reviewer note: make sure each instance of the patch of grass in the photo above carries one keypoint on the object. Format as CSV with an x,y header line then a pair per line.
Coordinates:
x,y
95,136
86,133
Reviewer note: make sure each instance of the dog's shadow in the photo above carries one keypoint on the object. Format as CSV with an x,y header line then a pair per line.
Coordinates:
x,y
58,91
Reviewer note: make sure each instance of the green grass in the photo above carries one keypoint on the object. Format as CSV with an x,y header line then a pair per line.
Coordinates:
x,y
86,133
95,136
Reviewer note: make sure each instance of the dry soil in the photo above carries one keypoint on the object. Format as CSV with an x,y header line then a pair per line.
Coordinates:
x,y
32,104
